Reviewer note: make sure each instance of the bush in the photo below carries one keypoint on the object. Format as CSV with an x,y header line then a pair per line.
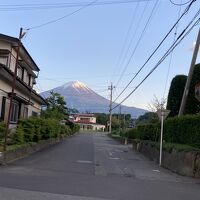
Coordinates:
x,y
144,132
180,130
183,130
36,129
2,130
18,136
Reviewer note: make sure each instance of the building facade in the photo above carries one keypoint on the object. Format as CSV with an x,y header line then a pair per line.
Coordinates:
x,y
87,122
27,102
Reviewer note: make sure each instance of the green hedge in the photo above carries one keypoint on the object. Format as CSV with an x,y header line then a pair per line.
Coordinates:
x,y
144,132
181,130
2,130
36,129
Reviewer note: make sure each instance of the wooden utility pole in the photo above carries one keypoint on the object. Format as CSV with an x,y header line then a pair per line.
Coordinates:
x,y
189,78
110,107
13,89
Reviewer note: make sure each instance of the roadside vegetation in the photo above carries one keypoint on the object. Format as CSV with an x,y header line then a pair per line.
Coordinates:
x,y
51,124
180,133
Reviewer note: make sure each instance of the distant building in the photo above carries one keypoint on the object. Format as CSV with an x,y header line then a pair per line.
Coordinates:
x,y
87,122
26,100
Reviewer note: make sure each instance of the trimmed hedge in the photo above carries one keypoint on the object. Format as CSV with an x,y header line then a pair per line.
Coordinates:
x,y
2,130
36,129
144,132
181,130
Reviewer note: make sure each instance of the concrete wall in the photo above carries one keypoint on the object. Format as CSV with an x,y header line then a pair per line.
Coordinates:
x,y
13,155
181,162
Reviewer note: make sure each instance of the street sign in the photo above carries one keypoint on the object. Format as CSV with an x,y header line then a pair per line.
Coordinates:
x,y
162,113
197,91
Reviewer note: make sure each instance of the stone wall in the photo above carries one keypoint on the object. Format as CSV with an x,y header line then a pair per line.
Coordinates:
x,y
185,163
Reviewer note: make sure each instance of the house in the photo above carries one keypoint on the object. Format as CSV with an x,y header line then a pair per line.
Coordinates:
x,y
26,101
87,122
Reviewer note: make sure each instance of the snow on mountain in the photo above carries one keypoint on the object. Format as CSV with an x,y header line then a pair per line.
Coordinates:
x,y
78,95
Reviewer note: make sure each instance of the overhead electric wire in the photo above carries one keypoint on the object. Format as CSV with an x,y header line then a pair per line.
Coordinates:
x,y
22,7
133,36
63,17
180,4
171,55
165,37
173,46
138,42
127,36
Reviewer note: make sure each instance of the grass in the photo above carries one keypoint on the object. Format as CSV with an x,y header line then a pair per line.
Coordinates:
x,y
16,146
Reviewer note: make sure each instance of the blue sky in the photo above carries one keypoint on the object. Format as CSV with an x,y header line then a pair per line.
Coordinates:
x,y
87,45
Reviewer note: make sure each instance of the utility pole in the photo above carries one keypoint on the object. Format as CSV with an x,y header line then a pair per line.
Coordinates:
x,y
120,112
189,78
21,34
110,107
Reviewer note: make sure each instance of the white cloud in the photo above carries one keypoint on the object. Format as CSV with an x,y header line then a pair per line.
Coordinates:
x,y
192,47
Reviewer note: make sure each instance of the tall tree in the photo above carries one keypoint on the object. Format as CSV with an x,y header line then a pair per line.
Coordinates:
x,y
192,104
56,107
175,94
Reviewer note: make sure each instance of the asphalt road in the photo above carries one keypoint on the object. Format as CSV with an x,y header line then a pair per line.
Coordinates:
x,y
92,167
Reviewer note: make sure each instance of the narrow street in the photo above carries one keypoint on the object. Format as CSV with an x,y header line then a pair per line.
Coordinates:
x,y
92,166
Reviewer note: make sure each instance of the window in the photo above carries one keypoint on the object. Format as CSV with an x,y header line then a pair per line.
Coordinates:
x,y
4,55
4,60
25,113
15,112
85,119
19,72
34,114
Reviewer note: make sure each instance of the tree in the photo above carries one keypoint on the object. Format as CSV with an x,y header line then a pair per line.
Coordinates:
x,y
72,110
192,104
157,104
175,94
56,107
148,117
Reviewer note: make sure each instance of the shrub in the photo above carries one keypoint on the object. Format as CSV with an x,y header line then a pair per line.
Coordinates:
x,y
2,130
18,136
144,132
180,130
36,129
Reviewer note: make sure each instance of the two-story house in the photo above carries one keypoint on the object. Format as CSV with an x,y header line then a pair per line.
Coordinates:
x,y
87,122
26,101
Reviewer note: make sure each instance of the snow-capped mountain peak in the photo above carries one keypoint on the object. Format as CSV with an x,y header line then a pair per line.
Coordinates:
x,y
78,95
76,85
79,85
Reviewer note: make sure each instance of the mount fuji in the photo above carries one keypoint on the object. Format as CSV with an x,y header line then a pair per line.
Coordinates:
x,y
79,96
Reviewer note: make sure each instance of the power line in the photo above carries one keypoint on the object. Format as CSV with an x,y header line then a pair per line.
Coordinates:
x,y
47,6
133,36
179,4
138,42
63,17
149,58
172,47
171,56
127,36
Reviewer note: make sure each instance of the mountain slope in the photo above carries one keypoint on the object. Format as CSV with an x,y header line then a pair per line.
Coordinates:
x,y
78,95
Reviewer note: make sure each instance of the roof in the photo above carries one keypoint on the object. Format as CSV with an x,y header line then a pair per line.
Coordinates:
x,y
23,52
6,72
83,115
84,122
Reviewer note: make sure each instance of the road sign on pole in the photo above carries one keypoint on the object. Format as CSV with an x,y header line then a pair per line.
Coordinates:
x,y
197,91
162,114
